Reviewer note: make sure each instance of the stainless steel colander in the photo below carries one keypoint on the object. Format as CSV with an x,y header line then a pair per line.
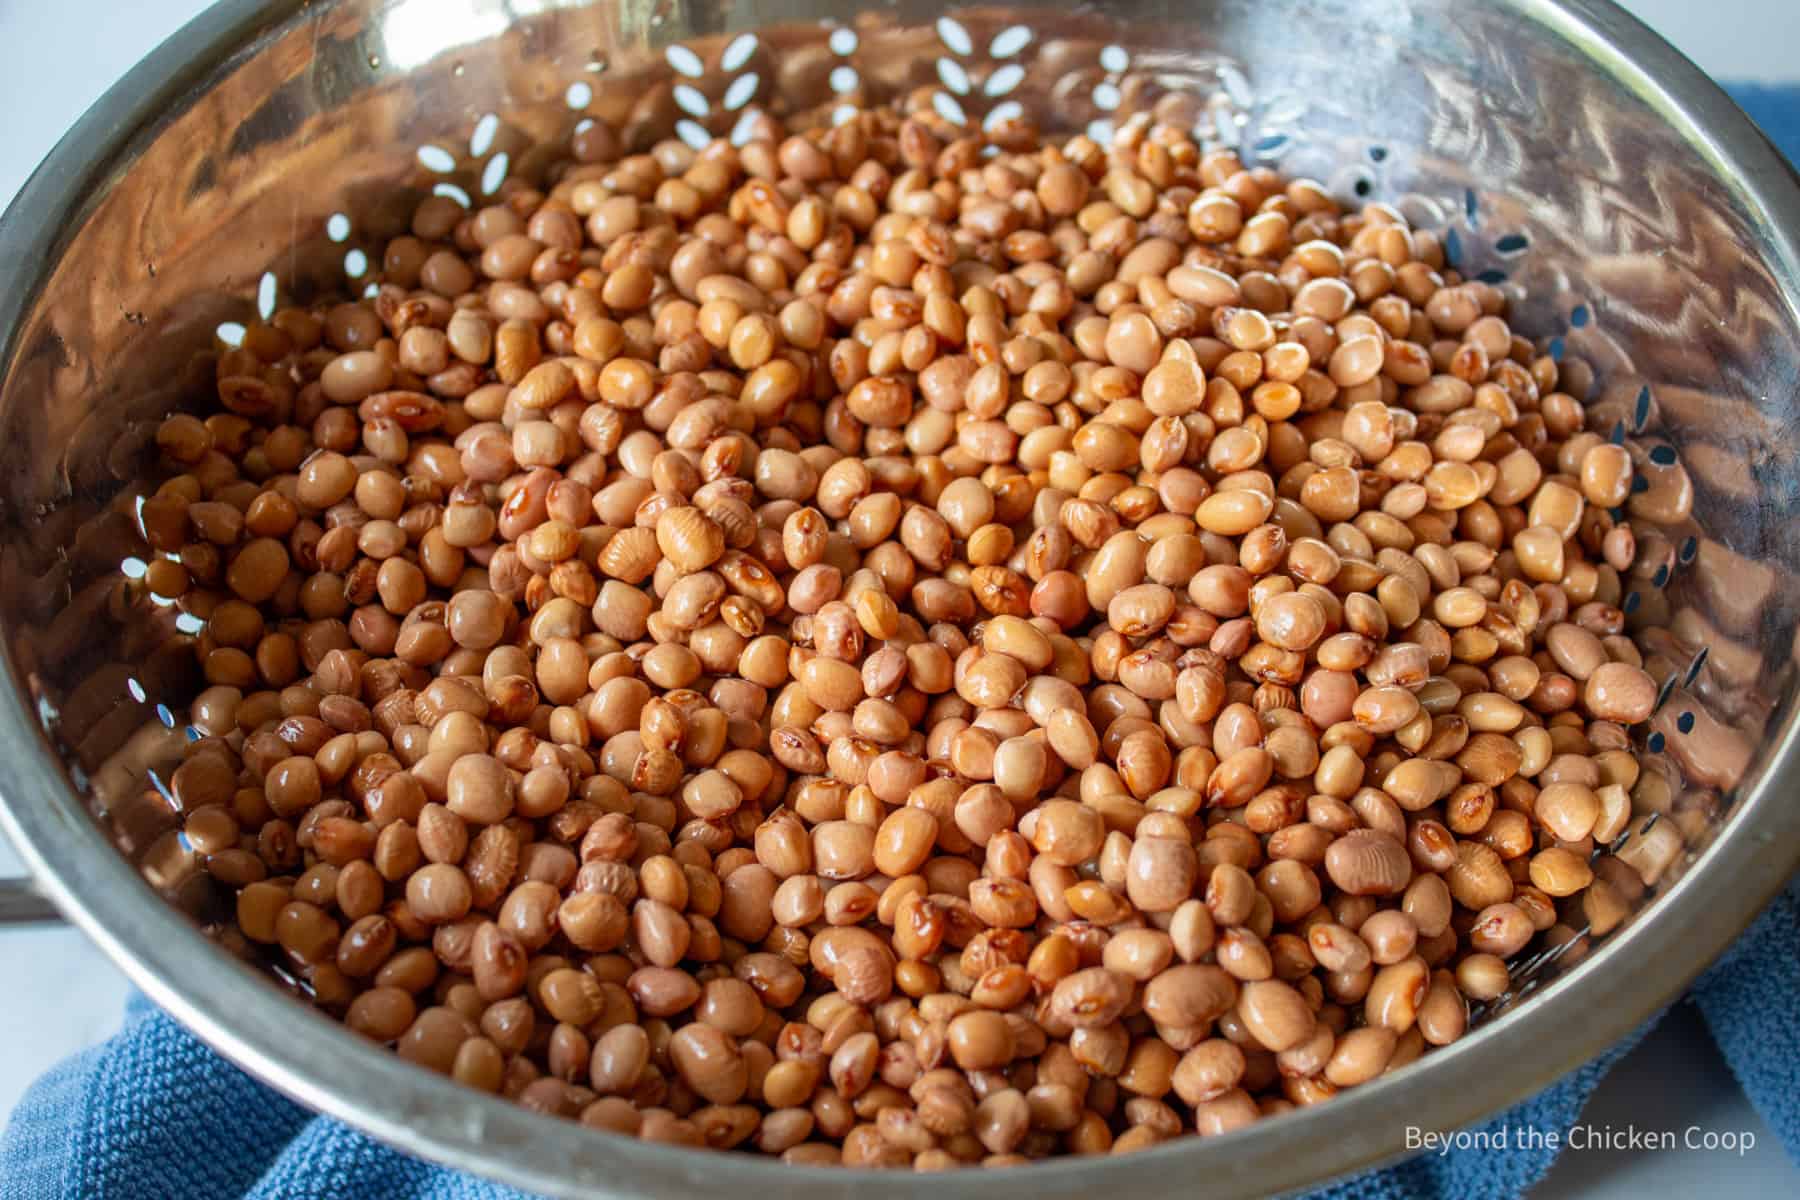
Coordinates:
x,y
268,150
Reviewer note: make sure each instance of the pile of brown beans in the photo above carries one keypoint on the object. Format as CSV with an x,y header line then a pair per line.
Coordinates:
x,y
899,647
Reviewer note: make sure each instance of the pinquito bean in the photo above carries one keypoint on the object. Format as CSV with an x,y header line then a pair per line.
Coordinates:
x,y
893,646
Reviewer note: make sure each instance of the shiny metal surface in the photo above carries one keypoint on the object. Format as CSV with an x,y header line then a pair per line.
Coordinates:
x,y
22,904
1661,261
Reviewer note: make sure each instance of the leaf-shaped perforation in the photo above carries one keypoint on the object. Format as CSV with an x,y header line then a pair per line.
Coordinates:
x,y
952,75
1003,79
1009,42
494,173
842,78
1006,110
955,37
686,63
692,101
1106,95
1004,70
978,73
741,91
1273,128
481,138
744,64
736,55
435,158
947,107
720,94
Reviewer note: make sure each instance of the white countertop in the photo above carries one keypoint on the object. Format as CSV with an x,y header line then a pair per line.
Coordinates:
x,y
57,58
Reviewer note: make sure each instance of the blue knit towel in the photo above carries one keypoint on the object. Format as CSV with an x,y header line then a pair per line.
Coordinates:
x,y
123,1121
118,1122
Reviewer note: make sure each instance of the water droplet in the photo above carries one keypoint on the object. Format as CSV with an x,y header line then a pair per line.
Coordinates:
x,y
1106,96
231,333
356,264
374,62
1114,59
337,227
842,41
457,69
843,79
596,62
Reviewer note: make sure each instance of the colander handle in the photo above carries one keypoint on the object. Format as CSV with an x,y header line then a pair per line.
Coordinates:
x,y
22,904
